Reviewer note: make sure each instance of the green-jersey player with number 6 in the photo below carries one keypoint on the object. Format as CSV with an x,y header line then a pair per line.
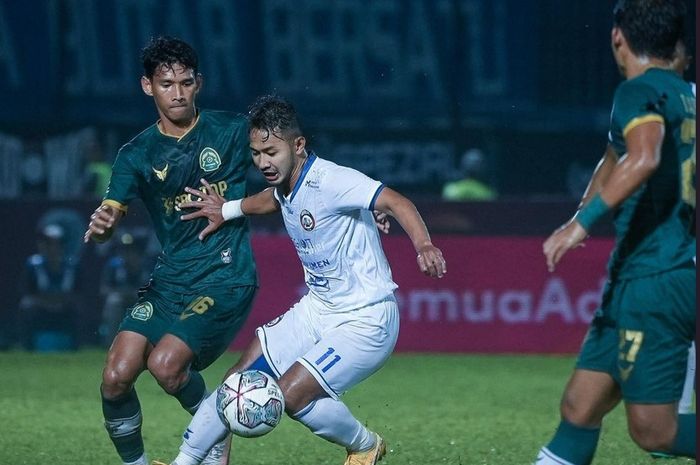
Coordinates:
x,y
200,292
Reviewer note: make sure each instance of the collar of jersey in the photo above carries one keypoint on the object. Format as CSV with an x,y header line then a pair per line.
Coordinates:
x,y
304,170
179,138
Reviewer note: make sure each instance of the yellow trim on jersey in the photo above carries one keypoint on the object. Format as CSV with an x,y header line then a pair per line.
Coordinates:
x,y
179,138
639,120
115,204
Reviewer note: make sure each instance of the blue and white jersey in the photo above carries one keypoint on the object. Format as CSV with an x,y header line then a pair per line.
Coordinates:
x,y
328,216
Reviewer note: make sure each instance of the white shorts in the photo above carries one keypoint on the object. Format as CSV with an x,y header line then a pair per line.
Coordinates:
x,y
338,349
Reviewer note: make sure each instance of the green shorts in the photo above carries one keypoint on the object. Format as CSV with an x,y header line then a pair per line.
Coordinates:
x,y
207,323
641,335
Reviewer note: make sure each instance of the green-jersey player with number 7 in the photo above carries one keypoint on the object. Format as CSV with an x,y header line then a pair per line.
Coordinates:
x,y
637,346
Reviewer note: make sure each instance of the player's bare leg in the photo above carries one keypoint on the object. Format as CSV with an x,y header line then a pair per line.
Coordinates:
x,y
206,433
658,428
252,353
170,364
126,360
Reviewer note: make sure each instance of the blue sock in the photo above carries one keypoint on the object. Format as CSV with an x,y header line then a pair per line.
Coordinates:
x,y
261,365
574,444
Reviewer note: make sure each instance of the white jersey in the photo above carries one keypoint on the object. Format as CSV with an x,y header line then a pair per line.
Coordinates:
x,y
328,216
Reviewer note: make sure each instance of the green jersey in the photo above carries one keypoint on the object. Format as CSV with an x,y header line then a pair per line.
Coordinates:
x,y
655,226
156,168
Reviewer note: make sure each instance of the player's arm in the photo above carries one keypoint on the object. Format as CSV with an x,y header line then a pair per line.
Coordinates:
x,y
217,210
643,157
103,222
123,187
262,203
430,259
643,144
600,176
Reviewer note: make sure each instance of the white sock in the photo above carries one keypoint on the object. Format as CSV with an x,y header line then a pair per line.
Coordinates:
x,y
332,420
546,457
685,405
143,460
203,432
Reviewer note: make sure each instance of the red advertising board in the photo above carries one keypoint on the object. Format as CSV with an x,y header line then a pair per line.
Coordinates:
x,y
497,295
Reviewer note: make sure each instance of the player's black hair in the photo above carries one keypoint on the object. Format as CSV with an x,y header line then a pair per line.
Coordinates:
x,y
167,51
275,115
651,27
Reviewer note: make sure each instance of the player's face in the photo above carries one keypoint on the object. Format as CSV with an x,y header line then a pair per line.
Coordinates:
x,y
174,90
278,159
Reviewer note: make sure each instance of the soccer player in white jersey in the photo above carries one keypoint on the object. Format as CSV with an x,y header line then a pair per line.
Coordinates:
x,y
346,326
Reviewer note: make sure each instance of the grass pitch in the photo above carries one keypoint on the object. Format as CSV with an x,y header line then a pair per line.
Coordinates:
x,y
431,409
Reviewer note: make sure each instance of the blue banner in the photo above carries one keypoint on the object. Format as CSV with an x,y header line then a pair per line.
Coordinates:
x,y
352,62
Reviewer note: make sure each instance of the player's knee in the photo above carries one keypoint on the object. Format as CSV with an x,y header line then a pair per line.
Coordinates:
x,y
170,376
295,400
571,411
579,413
116,380
651,435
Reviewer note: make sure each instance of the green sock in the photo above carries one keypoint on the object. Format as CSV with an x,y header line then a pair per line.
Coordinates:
x,y
685,443
192,392
574,444
123,423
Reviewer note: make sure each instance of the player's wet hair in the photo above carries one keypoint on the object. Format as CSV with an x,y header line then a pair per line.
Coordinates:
x,y
652,27
275,115
167,51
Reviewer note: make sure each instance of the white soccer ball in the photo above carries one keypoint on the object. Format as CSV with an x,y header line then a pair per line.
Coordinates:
x,y
250,403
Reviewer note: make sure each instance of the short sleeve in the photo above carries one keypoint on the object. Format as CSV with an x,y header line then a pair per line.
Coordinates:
x,y
347,189
124,182
636,103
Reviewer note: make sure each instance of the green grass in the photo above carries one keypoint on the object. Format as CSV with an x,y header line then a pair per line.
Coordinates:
x,y
432,410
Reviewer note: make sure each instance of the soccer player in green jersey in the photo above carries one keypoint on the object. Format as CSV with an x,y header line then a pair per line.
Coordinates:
x,y
200,292
681,63
637,345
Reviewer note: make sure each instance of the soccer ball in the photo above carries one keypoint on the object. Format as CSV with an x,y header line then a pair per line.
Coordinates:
x,y
250,403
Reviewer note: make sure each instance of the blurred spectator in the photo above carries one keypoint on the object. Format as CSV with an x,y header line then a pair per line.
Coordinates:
x,y
72,224
127,270
473,183
33,170
49,287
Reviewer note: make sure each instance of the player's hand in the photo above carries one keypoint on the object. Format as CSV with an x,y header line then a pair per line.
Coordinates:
x,y
431,262
208,206
567,237
381,219
101,223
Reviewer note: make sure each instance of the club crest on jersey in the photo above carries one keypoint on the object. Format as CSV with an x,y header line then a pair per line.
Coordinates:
x,y
307,220
161,174
226,256
209,159
142,311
